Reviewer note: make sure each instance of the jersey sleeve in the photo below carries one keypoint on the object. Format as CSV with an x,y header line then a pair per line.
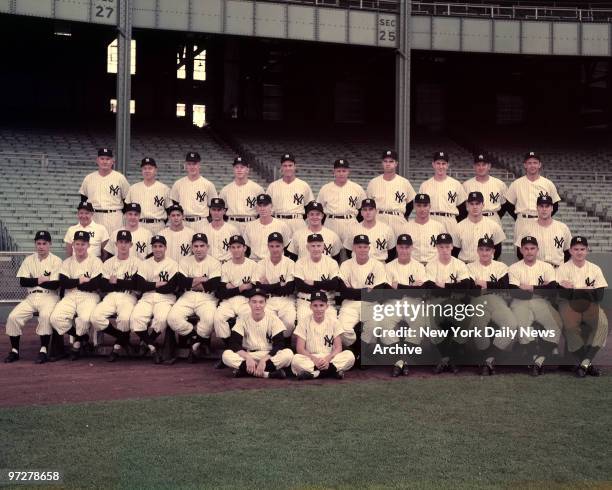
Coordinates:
x,y
64,268
369,189
174,193
498,233
345,273
513,276
215,270
568,237
260,271
25,269
563,274
463,271
461,194
128,196
554,194
391,272
106,269
430,272
410,193
103,234
300,330
239,327
290,271
511,193
379,271
124,186
321,196
110,247
338,330
298,270
308,193
83,189
68,235
600,280
96,266
286,232
391,238
212,191
276,326
549,273
336,244
361,194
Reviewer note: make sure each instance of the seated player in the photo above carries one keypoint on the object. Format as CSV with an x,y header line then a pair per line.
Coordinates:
x,y
256,346
319,344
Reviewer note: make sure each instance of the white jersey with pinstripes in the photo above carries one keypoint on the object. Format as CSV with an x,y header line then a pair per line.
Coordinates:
x,y
524,193
407,274
122,269
218,240
73,269
468,234
325,269
178,242
382,239
193,195
424,238
256,236
141,243
331,242
358,276
32,268
490,273
319,337
238,274
153,199
273,273
391,195
209,268
493,190
538,274
445,195
553,240
289,198
453,272
97,236
587,276
257,335
240,199
153,271
108,192
341,200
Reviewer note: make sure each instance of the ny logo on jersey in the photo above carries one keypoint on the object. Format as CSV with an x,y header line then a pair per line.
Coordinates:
x,y
589,283
47,273
298,198
185,249
370,279
542,194
225,244
540,281
113,190
399,197
159,201
381,244
325,277
352,201
453,278
494,197
246,279
559,242
281,278
486,236
493,278
140,247
328,340
411,279
452,196
269,338
126,276
164,276
327,249
87,274
432,240
200,196
91,233
250,201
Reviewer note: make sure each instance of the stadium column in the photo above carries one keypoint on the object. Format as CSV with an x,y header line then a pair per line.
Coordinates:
x,y
124,83
402,88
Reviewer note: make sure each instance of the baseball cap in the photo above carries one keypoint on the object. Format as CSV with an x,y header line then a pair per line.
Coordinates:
x,y
86,205
158,239
481,157
132,206
531,154
318,296
579,240
361,239
257,292
486,242
42,235
475,196
545,199
422,199
287,156
148,161
443,238
275,237
368,203
342,163
529,240
389,154
193,156
314,237
124,236
105,152
82,235
404,239
217,202
236,239
199,237
440,155
174,207
240,161
313,206
264,199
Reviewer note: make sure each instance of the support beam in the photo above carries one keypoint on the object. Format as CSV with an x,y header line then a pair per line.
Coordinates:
x,y
402,88
124,83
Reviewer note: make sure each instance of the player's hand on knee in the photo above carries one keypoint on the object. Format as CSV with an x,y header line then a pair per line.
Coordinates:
x,y
251,365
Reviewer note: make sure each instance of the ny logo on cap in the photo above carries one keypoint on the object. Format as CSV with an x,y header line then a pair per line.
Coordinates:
x,y
388,152
362,237
286,155
341,162
528,238
238,160
199,236
235,237
275,235
578,239
531,154
124,233
481,157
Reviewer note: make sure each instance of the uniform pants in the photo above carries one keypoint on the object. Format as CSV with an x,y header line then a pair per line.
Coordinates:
x,y
442,323
154,228
115,303
528,311
281,359
495,310
593,317
284,308
41,303
229,308
152,305
110,221
342,227
397,222
304,311
349,317
343,361
79,303
193,303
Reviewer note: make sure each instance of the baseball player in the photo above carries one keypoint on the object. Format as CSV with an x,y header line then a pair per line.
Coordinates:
x,y
238,276
141,236
522,195
79,277
446,194
359,274
275,277
407,274
490,275
218,230
340,199
289,195
39,273
584,287
257,345
450,273
332,245
98,234
193,192
256,232
152,195
423,230
177,235
490,187
380,234
477,226
120,279
553,236
393,193
315,272
240,195
530,275
160,277
319,344
106,190
200,277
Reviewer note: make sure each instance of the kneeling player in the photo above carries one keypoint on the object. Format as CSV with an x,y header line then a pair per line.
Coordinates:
x,y
319,344
257,343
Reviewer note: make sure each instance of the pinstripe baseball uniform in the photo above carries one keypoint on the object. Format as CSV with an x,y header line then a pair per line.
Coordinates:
x,y
107,194
469,232
340,204
553,240
218,240
453,272
424,238
493,191
289,199
141,242
240,201
201,303
153,200
281,306
39,300
98,235
256,236
332,245
381,237
391,197
193,195
307,269
445,196
319,341
179,242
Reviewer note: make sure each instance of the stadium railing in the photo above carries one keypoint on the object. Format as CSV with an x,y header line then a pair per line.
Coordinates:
x,y
381,5
11,291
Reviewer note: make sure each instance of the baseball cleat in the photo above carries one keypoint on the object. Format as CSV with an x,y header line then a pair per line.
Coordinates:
x,y
535,370
191,357
113,356
219,365
157,357
12,357
397,369
74,354
594,371
441,367
339,375
581,372
302,376
277,374
42,358
405,369
237,373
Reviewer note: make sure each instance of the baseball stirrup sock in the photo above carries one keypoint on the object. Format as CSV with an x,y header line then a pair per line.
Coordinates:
x,y
270,366
72,331
44,340
15,341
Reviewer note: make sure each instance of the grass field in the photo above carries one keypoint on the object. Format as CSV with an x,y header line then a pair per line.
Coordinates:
x,y
465,432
